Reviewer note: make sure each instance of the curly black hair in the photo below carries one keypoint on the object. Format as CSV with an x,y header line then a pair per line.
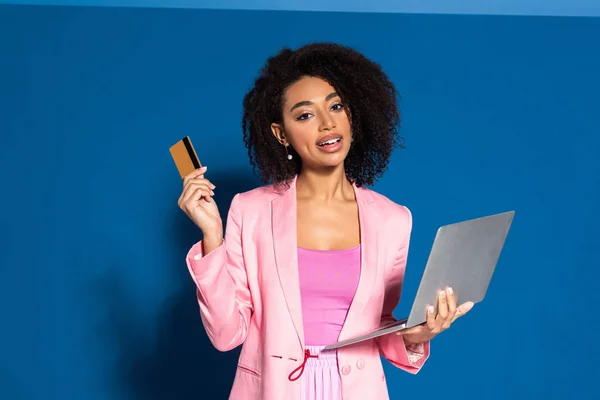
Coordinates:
x,y
366,91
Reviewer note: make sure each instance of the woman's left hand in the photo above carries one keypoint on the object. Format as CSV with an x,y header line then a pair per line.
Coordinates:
x,y
447,313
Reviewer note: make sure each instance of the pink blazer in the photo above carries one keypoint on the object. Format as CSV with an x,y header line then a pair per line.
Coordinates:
x,y
249,293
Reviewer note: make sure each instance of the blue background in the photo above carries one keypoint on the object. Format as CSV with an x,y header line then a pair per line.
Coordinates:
x,y
499,113
499,7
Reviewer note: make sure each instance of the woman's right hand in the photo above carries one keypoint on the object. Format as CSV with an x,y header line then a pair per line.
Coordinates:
x,y
197,203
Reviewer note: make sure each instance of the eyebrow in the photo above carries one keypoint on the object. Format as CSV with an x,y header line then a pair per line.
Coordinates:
x,y
309,103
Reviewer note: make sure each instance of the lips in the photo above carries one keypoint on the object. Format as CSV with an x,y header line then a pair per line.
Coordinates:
x,y
329,139
330,144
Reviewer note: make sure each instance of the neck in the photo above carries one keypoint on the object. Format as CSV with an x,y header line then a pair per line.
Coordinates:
x,y
324,185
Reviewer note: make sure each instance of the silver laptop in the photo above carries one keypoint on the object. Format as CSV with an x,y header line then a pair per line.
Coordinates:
x,y
463,256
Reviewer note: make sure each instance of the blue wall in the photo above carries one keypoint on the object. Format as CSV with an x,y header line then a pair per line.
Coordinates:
x,y
499,113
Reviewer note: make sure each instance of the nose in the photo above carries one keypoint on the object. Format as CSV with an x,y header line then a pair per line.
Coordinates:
x,y
327,122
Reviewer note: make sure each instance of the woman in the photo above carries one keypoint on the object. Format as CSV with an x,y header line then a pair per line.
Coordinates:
x,y
313,256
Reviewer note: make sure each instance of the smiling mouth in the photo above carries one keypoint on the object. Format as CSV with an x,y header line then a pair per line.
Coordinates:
x,y
329,142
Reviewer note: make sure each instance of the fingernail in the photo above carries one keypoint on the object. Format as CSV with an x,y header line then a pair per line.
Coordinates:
x,y
212,186
443,294
204,168
211,192
431,309
449,290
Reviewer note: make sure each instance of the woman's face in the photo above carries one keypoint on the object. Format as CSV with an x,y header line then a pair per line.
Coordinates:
x,y
315,124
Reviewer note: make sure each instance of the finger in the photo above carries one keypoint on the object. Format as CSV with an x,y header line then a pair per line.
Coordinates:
x,y
431,318
191,192
201,194
451,300
189,186
442,304
197,173
408,331
194,195
442,310
463,309
196,184
202,181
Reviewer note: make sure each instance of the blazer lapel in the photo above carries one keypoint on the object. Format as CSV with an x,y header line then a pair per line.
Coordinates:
x,y
368,220
283,209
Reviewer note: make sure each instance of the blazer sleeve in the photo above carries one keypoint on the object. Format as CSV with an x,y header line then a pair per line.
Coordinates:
x,y
392,347
221,281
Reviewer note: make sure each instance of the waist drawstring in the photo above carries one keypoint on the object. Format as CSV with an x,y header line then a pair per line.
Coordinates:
x,y
307,355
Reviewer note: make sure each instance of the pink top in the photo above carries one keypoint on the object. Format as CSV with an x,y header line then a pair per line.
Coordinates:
x,y
328,281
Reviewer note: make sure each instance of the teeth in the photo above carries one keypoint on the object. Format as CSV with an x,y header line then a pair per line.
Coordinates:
x,y
332,141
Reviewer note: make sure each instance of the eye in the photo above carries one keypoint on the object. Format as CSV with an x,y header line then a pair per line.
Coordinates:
x,y
337,107
303,117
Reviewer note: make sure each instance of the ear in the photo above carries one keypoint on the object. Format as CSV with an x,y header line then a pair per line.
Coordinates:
x,y
277,130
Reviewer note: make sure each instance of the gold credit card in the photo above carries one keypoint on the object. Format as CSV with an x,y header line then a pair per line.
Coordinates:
x,y
185,156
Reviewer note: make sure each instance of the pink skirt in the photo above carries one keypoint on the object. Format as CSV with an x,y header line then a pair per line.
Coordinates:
x,y
321,379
